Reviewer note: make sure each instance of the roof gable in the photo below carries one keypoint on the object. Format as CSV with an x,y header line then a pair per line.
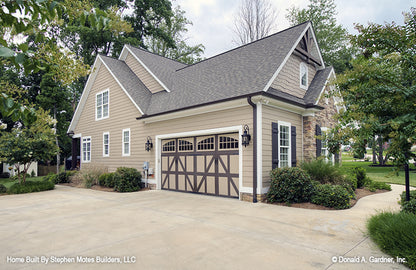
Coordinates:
x,y
130,84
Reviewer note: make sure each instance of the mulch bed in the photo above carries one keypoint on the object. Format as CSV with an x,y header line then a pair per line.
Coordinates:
x,y
359,193
95,187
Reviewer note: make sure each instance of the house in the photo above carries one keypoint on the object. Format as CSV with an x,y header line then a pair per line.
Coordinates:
x,y
192,118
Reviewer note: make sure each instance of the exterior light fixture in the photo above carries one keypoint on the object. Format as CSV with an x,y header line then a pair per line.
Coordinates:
x,y
246,137
148,145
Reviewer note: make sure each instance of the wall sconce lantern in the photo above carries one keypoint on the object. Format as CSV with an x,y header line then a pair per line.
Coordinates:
x,y
148,145
246,137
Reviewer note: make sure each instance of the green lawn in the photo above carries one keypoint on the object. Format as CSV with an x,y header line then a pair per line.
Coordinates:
x,y
7,182
380,174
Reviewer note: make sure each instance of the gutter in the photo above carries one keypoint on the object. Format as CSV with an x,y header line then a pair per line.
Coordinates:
x,y
261,93
254,148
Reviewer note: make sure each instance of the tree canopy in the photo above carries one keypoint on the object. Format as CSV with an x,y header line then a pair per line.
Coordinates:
x,y
332,37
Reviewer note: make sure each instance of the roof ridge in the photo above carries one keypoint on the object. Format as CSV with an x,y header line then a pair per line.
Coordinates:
x,y
245,45
147,51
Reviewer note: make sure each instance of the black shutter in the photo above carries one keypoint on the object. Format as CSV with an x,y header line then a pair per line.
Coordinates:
x,y
318,141
275,145
293,145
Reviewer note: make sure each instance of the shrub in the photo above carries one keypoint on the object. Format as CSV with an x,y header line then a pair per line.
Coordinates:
x,y
334,196
128,180
89,175
408,206
373,185
361,176
394,233
323,172
3,189
32,174
51,177
5,175
290,185
107,180
30,186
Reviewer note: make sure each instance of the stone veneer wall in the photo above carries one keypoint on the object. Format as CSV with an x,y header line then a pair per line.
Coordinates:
x,y
324,118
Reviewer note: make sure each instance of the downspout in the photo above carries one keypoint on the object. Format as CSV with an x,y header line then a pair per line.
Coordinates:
x,y
254,148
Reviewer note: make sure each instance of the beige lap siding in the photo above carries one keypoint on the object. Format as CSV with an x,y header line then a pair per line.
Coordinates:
x,y
143,74
272,114
288,80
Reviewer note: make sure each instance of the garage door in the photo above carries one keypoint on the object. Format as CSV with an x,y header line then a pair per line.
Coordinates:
x,y
204,164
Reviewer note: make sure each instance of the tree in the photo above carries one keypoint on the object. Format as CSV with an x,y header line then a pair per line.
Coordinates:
x,y
254,20
332,38
181,52
31,141
22,17
380,90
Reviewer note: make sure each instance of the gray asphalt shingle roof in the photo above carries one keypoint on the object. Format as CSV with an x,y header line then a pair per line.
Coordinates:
x,y
239,72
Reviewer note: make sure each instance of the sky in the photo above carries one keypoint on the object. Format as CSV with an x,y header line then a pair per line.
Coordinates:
x,y
213,19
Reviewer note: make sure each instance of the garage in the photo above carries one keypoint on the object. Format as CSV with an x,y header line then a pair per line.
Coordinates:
x,y
202,164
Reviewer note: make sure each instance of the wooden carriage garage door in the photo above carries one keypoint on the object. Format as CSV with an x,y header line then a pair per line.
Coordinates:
x,y
205,164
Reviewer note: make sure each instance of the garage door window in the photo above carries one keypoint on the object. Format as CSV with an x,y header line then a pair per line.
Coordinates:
x,y
206,144
228,143
185,145
169,147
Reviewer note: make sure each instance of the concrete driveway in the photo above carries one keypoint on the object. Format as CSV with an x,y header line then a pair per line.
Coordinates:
x,y
85,229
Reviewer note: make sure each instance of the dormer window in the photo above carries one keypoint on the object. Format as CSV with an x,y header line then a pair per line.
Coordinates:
x,y
303,76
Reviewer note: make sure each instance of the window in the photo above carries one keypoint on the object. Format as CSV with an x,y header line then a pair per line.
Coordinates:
x,y
102,105
303,76
126,142
106,144
185,145
228,143
284,145
86,149
206,144
324,147
169,146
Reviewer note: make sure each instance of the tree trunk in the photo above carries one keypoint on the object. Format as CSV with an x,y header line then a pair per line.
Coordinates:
x,y
58,156
380,150
374,150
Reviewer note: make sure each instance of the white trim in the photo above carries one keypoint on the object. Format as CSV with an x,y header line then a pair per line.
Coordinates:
x,y
125,91
259,140
104,154
122,143
147,69
78,135
289,154
102,106
221,106
308,26
87,88
303,65
158,146
326,82
82,149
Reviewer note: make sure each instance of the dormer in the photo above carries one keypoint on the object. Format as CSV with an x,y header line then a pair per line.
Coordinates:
x,y
149,79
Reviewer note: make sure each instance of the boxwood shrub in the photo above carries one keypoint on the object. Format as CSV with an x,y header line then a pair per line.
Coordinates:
x,y
3,189
334,196
361,175
107,180
30,186
290,185
128,180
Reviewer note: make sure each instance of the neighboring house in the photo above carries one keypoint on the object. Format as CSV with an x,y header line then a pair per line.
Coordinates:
x,y
7,169
195,115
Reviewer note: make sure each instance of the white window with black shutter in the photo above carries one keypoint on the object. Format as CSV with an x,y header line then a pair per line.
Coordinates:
x,y
283,145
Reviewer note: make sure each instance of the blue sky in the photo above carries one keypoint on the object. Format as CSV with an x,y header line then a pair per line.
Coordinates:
x,y
213,19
